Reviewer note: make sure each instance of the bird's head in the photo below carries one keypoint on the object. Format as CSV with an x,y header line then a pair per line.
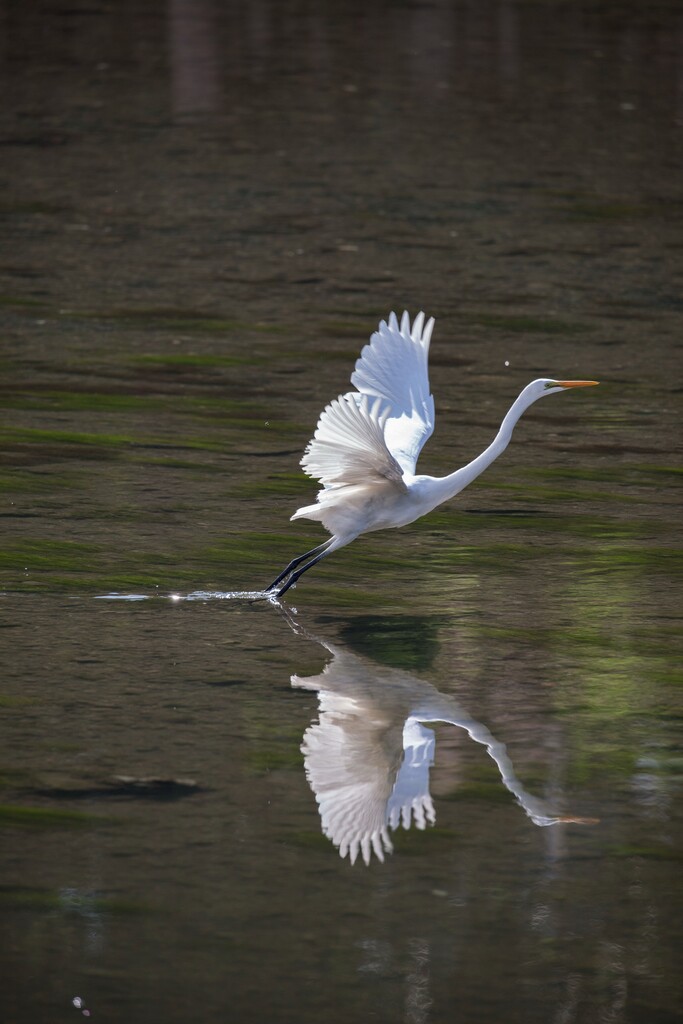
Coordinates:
x,y
545,386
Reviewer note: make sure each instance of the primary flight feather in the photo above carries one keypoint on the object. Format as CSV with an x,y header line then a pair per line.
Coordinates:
x,y
365,448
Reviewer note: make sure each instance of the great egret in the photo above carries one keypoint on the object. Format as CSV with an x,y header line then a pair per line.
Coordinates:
x,y
365,448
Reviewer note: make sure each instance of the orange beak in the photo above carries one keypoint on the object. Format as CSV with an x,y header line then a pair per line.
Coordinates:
x,y
576,383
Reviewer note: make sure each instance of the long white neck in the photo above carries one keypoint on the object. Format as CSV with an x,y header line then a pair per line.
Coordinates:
x,y
448,486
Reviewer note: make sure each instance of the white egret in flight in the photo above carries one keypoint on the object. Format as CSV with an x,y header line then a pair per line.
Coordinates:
x,y
366,445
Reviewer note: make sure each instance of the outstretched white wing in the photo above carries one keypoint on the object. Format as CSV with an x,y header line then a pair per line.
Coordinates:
x,y
349,447
394,368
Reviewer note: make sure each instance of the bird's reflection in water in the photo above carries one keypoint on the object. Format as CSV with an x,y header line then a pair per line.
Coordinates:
x,y
368,756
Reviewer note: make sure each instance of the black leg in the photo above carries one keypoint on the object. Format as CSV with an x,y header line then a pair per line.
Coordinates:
x,y
295,575
297,561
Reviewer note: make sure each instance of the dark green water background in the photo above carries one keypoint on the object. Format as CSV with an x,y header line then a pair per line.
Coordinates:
x,y
205,208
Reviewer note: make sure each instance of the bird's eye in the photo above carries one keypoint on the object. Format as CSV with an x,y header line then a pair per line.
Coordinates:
x,y
551,384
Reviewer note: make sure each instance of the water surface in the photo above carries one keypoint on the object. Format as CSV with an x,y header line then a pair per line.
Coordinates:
x,y
206,211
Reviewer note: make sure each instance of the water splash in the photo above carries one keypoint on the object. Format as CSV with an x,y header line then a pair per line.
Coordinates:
x,y
195,595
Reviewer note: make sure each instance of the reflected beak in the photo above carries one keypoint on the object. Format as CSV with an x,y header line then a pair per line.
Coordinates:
x,y
576,383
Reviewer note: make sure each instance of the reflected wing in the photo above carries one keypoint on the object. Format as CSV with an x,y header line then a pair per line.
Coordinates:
x,y
351,759
349,447
394,368
410,798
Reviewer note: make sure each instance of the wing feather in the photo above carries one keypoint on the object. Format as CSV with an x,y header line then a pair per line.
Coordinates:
x,y
349,447
394,369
